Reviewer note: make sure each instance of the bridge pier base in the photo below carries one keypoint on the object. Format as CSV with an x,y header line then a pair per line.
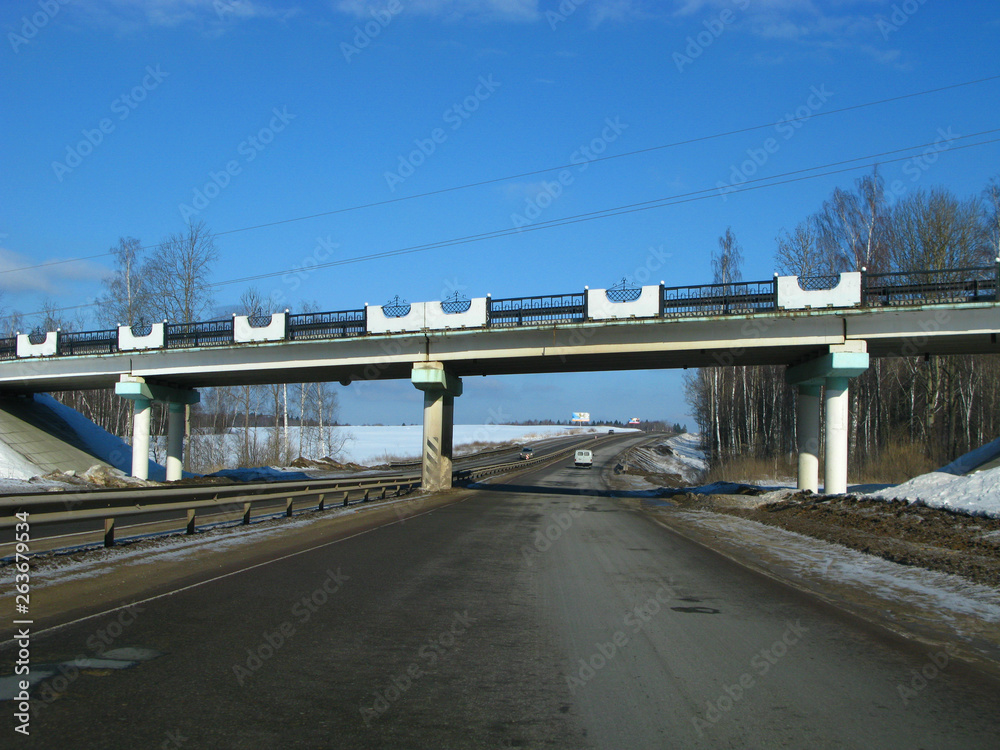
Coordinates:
x,y
143,395
440,389
834,371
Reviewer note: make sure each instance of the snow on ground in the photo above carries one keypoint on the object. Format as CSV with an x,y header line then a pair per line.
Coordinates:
x,y
13,468
107,447
684,459
976,494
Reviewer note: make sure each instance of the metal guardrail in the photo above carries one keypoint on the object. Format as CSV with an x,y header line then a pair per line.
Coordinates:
x,y
111,505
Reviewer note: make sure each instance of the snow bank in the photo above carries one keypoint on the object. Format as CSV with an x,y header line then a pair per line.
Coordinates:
x,y
684,459
976,494
101,443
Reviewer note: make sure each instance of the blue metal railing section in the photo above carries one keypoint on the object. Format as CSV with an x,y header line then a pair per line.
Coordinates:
x,y
897,288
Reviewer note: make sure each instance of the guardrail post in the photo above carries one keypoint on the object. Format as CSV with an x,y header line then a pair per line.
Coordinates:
x,y
246,513
320,504
365,500
109,532
288,507
382,494
345,498
191,517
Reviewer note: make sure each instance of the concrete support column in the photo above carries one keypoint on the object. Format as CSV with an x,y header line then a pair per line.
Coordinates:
x,y
836,403
834,370
440,389
807,431
175,441
142,409
143,394
436,467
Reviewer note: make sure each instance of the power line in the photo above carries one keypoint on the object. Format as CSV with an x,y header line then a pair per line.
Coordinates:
x,y
619,210
798,175
536,172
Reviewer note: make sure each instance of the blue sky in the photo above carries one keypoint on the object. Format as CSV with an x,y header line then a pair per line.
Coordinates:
x,y
129,117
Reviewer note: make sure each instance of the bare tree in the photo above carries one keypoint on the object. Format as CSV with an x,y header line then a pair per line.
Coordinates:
x,y
727,263
936,231
126,298
178,273
853,227
799,255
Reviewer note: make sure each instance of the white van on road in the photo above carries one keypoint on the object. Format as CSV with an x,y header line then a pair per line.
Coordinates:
x,y
583,458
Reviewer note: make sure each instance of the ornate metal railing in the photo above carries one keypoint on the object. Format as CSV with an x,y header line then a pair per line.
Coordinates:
x,y
89,342
898,288
929,287
521,311
327,325
719,299
815,283
457,303
623,292
396,308
188,335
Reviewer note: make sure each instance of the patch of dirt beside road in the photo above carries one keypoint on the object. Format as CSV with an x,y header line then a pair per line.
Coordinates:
x,y
908,534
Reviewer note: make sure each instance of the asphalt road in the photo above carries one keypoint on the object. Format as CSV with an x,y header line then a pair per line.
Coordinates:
x,y
534,613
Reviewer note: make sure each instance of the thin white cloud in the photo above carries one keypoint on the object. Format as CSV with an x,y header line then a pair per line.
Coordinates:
x,y
45,280
213,16
448,10
839,25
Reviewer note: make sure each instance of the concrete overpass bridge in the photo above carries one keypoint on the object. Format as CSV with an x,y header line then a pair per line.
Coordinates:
x,y
824,329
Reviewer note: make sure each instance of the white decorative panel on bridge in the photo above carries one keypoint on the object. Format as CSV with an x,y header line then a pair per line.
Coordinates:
x,y
599,307
276,330
129,342
791,295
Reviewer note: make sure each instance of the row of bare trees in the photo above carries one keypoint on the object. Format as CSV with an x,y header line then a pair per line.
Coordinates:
x,y
272,424
944,405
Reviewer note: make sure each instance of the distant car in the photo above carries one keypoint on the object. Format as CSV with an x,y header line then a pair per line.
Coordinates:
x,y
611,432
527,453
583,459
